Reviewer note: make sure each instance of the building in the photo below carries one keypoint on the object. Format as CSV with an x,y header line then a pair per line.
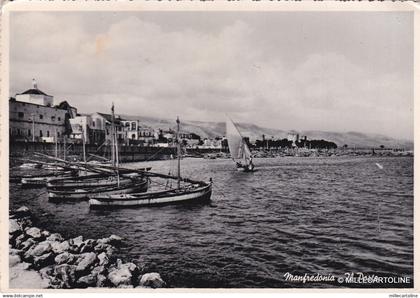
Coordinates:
x,y
103,122
35,96
33,118
294,137
131,133
83,126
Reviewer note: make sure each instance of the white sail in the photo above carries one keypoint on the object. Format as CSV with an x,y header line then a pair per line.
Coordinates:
x,y
238,149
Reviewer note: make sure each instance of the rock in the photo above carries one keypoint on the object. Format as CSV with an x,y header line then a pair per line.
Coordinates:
x,y
67,274
64,257
14,227
38,250
98,270
25,222
120,277
15,252
22,211
19,239
114,239
87,281
60,247
131,267
78,241
103,259
87,247
85,261
13,260
100,280
27,244
55,237
47,272
152,280
22,278
34,233
100,247
110,251
23,266
45,234
103,241
43,260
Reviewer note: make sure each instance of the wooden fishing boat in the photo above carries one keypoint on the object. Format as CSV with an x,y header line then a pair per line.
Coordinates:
x,y
41,181
238,148
194,193
18,178
137,186
30,165
88,181
187,191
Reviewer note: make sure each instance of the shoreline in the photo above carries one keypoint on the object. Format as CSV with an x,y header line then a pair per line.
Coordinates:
x,y
41,259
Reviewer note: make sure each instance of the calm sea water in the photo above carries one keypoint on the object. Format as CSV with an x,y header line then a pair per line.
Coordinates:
x,y
296,215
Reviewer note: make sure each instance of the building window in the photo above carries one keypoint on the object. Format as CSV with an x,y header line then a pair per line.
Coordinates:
x,y
133,125
58,134
29,132
59,118
40,133
52,118
93,123
18,132
41,116
133,136
20,114
48,133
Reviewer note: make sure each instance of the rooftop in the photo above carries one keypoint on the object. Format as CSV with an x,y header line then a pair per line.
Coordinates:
x,y
33,91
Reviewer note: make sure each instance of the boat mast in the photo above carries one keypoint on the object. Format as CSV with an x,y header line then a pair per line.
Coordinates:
x,y
84,145
178,149
56,144
115,143
112,137
64,147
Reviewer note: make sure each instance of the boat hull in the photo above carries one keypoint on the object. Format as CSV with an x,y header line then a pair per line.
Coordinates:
x,y
86,182
80,194
153,199
41,181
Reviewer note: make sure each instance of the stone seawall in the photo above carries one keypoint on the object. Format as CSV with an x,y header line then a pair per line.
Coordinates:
x,y
41,259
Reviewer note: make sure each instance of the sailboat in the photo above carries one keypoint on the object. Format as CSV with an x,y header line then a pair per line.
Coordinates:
x,y
186,190
239,150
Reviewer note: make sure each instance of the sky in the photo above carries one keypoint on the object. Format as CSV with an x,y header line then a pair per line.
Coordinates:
x,y
332,71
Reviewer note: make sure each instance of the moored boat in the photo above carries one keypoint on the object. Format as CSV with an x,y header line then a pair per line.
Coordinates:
x,y
42,180
88,181
186,191
137,186
194,193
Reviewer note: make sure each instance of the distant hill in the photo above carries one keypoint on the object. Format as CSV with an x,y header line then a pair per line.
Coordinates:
x,y
214,129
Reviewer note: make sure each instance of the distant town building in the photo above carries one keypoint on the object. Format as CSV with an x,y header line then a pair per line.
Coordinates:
x,y
35,96
33,118
104,122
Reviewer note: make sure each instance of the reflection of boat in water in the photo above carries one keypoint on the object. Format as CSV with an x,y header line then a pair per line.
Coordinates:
x,y
187,190
238,148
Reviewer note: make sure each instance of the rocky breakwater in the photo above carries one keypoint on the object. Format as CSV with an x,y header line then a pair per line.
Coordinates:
x,y
40,259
